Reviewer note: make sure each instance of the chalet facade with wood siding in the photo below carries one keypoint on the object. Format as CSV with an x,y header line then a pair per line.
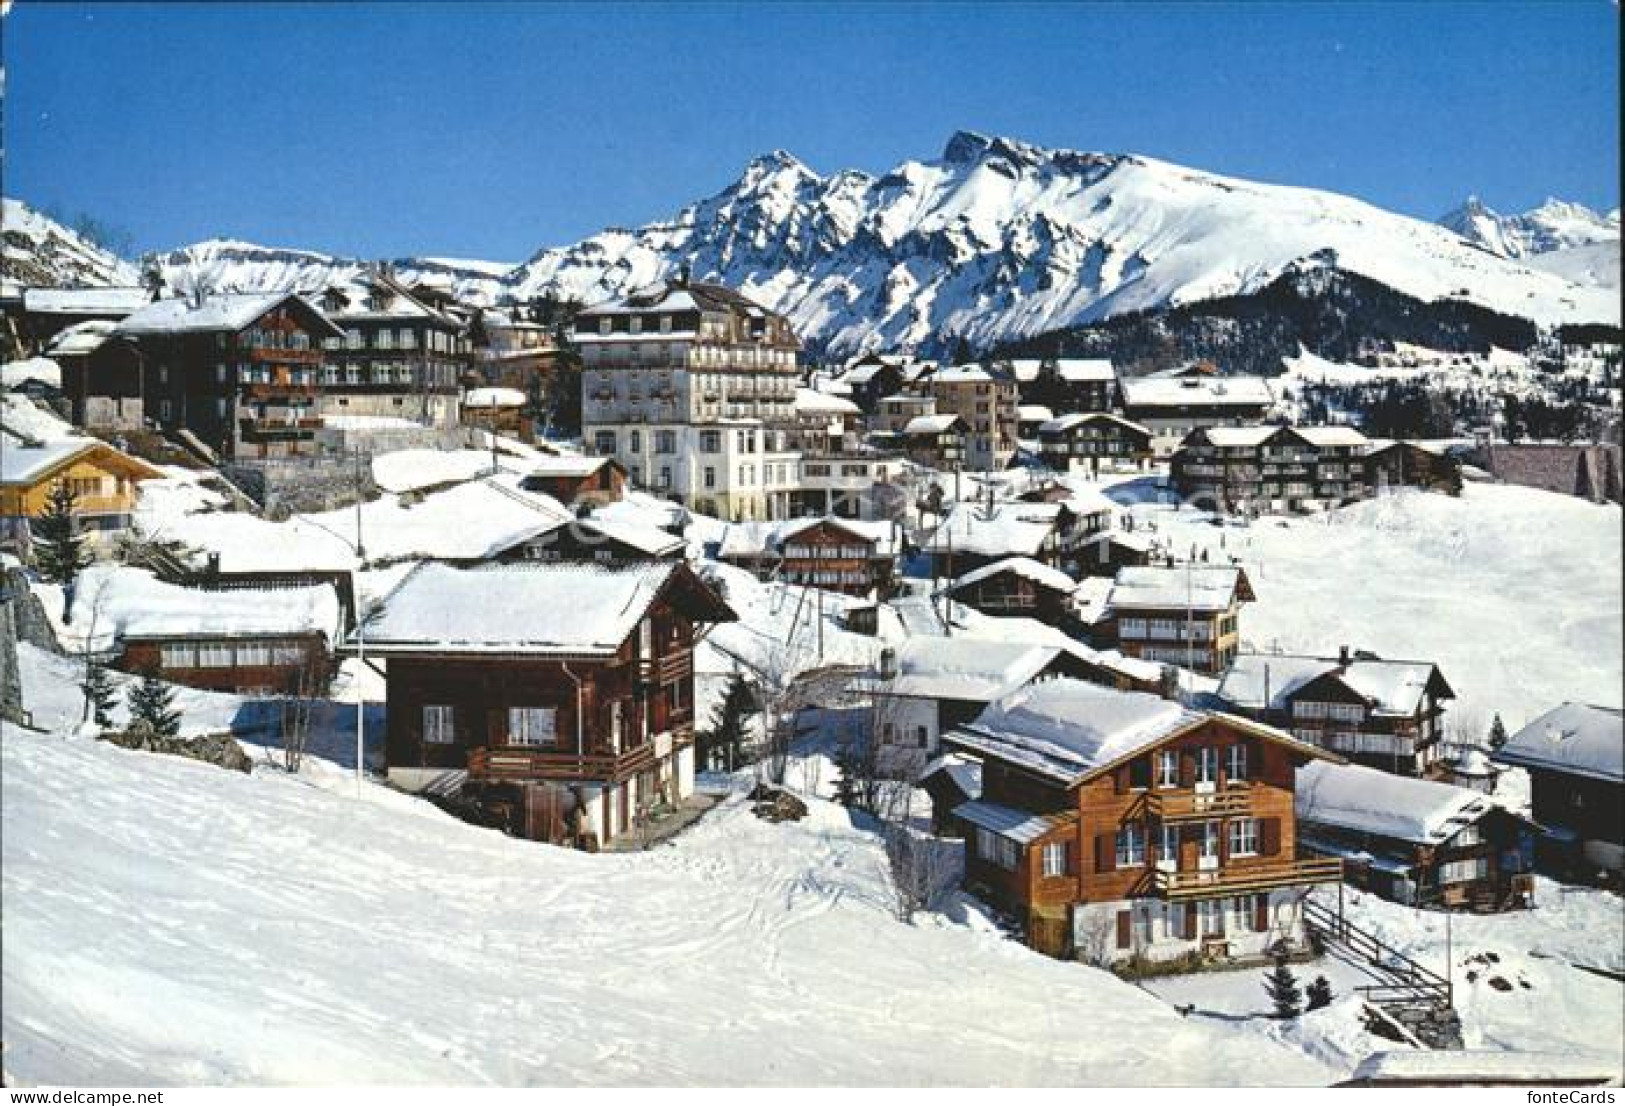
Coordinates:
x,y
1271,469
1411,465
841,555
1093,442
1575,757
242,373
1387,714
398,357
558,698
1416,842
102,479
1186,615
574,480
1120,828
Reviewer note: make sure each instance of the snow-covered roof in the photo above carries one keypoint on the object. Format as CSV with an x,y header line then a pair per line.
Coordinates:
x,y
1065,423
22,418
1487,1067
80,338
18,374
85,301
541,609
123,603
809,400
972,669
1020,826
1575,738
574,465
222,311
1380,445
963,374
1208,391
1388,687
1074,370
1013,529
1066,729
1369,800
493,397
930,424
965,773
757,538
25,463
650,540
1032,412
1026,567
1193,587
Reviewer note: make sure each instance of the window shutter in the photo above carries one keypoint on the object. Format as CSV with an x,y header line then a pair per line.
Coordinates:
x,y
1071,856
1125,929
496,726
1190,921
1261,913
1105,852
1269,836
1120,780
1255,759
1187,770
1218,918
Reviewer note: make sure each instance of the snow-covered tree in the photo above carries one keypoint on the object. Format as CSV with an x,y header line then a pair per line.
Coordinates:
x,y
152,703
59,548
1319,993
100,694
1282,987
722,746
1498,733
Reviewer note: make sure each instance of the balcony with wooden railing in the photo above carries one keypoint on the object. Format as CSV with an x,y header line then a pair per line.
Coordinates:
x,y
518,763
1235,801
1245,879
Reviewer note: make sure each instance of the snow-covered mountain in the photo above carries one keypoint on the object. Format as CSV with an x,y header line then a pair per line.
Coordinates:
x,y
1553,226
998,240
42,253
994,241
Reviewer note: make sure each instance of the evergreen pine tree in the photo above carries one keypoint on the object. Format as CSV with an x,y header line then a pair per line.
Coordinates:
x,y
1319,993
100,695
59,548
1282,987
1498,733
722,746
151,701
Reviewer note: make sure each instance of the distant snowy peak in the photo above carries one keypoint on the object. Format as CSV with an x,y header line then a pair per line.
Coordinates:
x,y
999,240
1554,225
42,253
226,265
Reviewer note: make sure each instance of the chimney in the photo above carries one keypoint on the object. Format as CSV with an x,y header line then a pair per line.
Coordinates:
x,y
888,663
1343,655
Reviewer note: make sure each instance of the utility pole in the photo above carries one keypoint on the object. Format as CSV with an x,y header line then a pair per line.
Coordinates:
x,y
360,636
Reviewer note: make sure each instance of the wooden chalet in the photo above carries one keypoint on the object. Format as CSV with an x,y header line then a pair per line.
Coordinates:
x,y
242,373
576,480
557,698
936,441
1387,714
1019,587
1067,383
1185,615
101,376
834,554
872,377
1417,842
1411,465
1092,442
1270,469
1575,757
1121,828
47,312
256,641
598,540
103,480
501,411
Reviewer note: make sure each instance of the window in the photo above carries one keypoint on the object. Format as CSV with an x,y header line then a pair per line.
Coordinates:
x,y
1236,765
604,442
617,725
438,728
182,655
1055,860
636,443
710,442
1244,837
1130,845
1207,764
1173,921
1463,871
1210,917
532,726
1167,767
287,653
922,737
710,477
997,850
253,654
606,325
1168,845
214,654
666,441
1210,841
665,476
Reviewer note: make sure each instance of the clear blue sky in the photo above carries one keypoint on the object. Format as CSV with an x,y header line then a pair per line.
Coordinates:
x,y
490,130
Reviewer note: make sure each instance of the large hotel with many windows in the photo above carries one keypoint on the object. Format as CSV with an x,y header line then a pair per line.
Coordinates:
x,y
692,388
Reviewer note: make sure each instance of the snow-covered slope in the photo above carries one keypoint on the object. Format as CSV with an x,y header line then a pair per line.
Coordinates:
x,y
171,923
1596,264
995,240
1554,225
226,265
42,253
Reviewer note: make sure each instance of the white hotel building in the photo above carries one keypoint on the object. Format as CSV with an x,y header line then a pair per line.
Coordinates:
x,y
692,388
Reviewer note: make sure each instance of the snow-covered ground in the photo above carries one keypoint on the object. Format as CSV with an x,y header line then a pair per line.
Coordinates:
x,y
255,929
1514,592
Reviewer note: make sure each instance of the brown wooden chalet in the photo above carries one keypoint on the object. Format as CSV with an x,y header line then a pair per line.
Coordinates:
x,y
558,698
575,480
1575,757
1186,615
834,554
1093,441
1411,465
1387,714
240,372
1125,829
1017,587
598,540
101,376
1417,842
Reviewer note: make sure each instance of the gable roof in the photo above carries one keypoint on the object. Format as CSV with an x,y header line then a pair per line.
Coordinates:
x,y
549,609
1388,687
27,463
223,311
1065,423
1201,391
1194,587
1069,731
932,424
1013,529
1575,738
1369,800
110,303
548,466
1040,574
125,603
971,669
